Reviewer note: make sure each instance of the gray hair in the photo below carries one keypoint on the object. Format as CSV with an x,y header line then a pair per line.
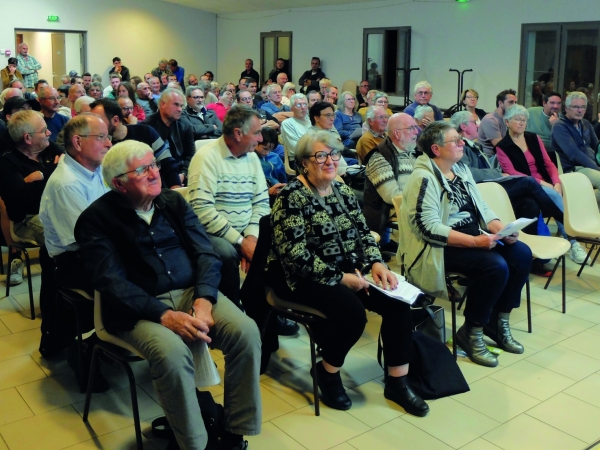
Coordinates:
x,y
119,157
299,96
21,123
459,118
167,93
175,85
341,99
190,89
422,84
379,95
287,86
306,143
434,133
77,126
85,100
45,91
239,116
6,91
213,86
370,115
204,85
271,88
575,95
516,110
421,110
324,82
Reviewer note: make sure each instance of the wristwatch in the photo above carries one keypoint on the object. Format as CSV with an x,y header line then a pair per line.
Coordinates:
x,y
238,244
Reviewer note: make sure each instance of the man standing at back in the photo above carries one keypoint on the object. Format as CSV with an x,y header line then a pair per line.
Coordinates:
x,y
492,127
249,72
309,81
28,66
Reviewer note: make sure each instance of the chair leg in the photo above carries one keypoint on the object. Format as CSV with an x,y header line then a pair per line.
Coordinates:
x,y
552,274
134,404
564,282
528,305
10,260
29,282
595,257
88,395
585,261
313,362
80,377
454,330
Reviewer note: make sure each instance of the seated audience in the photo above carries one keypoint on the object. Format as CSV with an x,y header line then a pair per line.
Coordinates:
x,y
145,98
324,83
191,80
322,117
331,96
223,105
376,124
205,123
492,127
50,105
282,78
155,87
313,97
542,119
76,91
441,222
469,99
423,93
381,99
287,91
347,120
274,108
361,96
423,116
309,81
95,90
161,68
310,265
271,163
110,91
126,90
296,126
127,108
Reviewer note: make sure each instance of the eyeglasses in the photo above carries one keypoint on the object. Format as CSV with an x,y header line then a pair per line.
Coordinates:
x,y
321,157
300,105
246,99
142,171
198,97
456,141
328,115
42,131
519,119
411,128
423,93
98,137
382,102
127,108
580,108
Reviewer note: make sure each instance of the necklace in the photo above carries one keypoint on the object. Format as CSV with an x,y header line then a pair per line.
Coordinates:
x,y
325,191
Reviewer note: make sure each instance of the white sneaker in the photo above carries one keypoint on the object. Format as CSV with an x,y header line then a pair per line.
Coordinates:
x,y
577,253
16,272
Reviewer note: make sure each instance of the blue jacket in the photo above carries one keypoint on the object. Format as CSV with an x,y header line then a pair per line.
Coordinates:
x,y
573,148
437,112
273,168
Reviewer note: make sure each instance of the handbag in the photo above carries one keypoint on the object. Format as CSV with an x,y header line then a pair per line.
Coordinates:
x,y
429,319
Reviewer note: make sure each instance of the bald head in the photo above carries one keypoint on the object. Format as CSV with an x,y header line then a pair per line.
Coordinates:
x,y
11,92
403,131
76,91
282,78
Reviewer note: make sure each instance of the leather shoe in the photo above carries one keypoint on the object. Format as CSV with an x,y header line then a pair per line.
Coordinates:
x,y
470,339
498,329
286,327
398,391
332,390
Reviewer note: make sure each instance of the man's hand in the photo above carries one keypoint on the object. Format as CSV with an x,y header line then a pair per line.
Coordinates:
x,y
383,277
511,239
307,82
248,246
189,328
33,176
182,177
426,121
553,118
276,188
203,311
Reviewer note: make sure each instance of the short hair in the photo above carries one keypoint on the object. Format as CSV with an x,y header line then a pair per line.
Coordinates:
x,y
173,62
16,80
422,84
117,159
313,92
287,86
116,59
97,84
204,85
463,96
239,116
85,100
250,80
240,92
269,136
380,95
370,115
86,74
317,58
175,85
21,123
13,61
63,90
517,110
459,118
97,78
167,93
38,82
190,89
502,95
298,96
271,88
421,110
111,108
434,133
575,95
340,102
115,75
307,142
316,109
46,90
187,78
74,79
78,125
329,88
551,94
324,82
214,86
163,61
251,62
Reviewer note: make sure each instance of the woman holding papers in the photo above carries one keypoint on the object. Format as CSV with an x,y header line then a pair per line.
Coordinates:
x,y
521,152
321,248
445,226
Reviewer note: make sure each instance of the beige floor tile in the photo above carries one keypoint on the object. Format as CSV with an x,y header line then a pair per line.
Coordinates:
x,y
566,362
506,359
585,310
587,390
53,366
526,433
594,329
358,369
23,300
3,445
540,339
480,444
8,305
12,407
20,321
112,411
395,435
571,415
294,387
344,446
586,343
370,406
3,329
292,353
473,372
50,431
533,380
591,297
117,376
272,438
51,393
123,439
589,281
272,405
563,323
496,400
19,370
452,422
370,349
19,344
319,433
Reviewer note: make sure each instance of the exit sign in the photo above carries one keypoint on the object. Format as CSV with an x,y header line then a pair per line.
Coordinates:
x,y
52,18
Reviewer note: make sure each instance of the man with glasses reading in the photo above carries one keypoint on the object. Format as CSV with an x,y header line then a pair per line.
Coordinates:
x,y
50,104
574,140
423,93
204,121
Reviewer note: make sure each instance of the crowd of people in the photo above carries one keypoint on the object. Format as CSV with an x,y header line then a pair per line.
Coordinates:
x,y
89,173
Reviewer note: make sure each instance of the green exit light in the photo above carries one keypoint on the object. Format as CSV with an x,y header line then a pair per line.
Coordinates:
x,y
462,1
52,18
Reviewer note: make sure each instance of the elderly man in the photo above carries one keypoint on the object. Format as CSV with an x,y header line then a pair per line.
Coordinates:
x,y
28,66
152,262
126,106
377,120
274,108
574,140
423,115
161,69
10,93
388,168
309,81
18,84
493,128
249,71
191,80
155,87
423,93
542,119
76,91
363,90
179,134
120,69
209,97
204,121
296,126
146,99
313,97
282,78
50,105
370,102
228,208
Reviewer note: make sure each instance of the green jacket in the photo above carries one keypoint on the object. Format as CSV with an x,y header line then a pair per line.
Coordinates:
x,y
424,213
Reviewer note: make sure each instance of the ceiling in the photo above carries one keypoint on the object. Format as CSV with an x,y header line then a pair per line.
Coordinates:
x,y
237,6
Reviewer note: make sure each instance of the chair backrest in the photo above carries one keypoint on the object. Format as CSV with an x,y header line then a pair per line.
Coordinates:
x,y
581,209
497,199
397,201
202,142
183,191
286,163
350,86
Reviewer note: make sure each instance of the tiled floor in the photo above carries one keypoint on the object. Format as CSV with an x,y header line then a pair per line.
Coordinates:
x,y
547,398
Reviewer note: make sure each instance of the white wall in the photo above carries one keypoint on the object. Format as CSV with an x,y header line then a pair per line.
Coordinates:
x,y
140,32
72,53
483,35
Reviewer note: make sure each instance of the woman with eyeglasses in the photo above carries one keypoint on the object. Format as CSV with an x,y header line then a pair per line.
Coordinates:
x,y
521,152
322,117
321,248
347,120
445,226
469,99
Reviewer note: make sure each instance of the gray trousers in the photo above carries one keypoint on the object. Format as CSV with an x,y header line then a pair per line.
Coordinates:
x,y
30,228
172,369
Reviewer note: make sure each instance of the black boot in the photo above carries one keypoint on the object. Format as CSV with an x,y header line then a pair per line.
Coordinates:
x,y
498,329
333,393
398,391
470,339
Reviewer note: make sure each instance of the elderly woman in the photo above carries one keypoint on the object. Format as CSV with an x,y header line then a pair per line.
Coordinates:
x,y
126,90
95,90
445,226
321,117
347,120
424,115
10,72
321,246
521,152
381,99
223,105
469,99
288,90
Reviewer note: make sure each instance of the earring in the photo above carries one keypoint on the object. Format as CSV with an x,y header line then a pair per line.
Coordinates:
x,y
305,171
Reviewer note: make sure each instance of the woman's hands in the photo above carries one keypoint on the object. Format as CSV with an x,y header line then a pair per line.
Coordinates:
x,y
383,277
353,282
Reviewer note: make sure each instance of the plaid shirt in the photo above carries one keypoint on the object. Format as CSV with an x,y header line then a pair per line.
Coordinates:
x,y
28,67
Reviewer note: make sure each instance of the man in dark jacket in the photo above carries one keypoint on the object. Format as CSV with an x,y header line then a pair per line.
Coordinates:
x,y
309,81
204,121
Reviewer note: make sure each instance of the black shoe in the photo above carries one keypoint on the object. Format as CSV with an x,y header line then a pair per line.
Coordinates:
x,y
398,391
390,247
470,339
286,327
539,269
332,390
498,329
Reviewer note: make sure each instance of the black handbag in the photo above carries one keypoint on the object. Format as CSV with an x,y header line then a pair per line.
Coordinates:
x,y
429,319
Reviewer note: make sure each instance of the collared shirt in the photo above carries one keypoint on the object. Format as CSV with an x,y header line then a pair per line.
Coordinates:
x,y
70,190
28,66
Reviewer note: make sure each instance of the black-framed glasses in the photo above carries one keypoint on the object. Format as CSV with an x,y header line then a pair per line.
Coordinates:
x,y
98,137
198,97
127,108
321,157
142,171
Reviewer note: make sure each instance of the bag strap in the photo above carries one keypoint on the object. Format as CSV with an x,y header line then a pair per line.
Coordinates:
x,y
433,316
